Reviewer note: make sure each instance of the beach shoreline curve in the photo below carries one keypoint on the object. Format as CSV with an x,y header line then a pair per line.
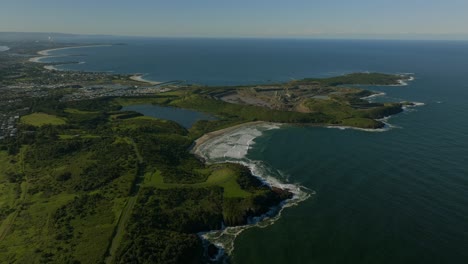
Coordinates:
x,y
46,54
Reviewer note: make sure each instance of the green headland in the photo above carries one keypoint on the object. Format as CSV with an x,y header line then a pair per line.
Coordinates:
x,y
83,182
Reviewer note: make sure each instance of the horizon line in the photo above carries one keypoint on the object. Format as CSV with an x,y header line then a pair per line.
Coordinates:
x,y
355,36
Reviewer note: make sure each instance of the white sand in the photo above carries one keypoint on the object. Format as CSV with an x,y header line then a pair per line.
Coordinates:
x,y
46,53
140,78
50,68
219,133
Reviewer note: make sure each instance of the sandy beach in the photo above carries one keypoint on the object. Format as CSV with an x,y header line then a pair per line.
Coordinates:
x,y
140,78
211,135
46,53
50,68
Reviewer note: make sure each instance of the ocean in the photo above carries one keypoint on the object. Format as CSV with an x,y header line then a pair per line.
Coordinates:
x,y
394,196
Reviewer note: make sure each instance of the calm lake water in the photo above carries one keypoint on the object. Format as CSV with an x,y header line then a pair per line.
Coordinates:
x,y
184,117
399,196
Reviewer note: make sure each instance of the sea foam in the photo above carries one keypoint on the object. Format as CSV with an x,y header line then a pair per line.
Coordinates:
x,y
233,147
409,108
370,97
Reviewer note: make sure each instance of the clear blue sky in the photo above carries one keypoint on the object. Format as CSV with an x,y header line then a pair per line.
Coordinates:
x,y
240,18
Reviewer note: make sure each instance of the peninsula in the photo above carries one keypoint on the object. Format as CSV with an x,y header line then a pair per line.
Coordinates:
x,y
84,182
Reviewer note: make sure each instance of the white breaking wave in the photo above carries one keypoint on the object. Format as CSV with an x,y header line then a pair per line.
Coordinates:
x,y
233,147
384,120
4,48
416,104
373,96
224,239
404,82
386,128
413,105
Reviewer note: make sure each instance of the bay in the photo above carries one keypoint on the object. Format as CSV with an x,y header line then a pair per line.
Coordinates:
x,y
399,196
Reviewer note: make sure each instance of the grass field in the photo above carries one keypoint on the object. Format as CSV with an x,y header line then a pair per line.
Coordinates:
x,y
77,111
86,136
29,231
40,119
126,101
224,177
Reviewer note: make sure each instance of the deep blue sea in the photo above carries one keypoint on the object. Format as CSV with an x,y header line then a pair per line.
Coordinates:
x,y
399,196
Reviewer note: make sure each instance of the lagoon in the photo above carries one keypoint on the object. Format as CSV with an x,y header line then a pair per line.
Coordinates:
x,y
184,117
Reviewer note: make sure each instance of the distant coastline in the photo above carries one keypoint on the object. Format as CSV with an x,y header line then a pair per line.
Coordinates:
x,y
46,54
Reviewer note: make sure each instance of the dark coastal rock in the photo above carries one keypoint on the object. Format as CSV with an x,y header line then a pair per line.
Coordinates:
x,y
282,193
238,211
212,251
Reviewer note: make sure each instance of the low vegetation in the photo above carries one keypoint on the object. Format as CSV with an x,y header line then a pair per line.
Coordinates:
x,y
373,78
316,101
66,185
81,172
40,119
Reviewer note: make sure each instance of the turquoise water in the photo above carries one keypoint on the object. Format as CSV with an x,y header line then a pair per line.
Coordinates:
x,y
184,117
399,196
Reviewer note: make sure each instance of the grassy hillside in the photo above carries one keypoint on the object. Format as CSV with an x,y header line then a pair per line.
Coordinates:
x,y
67,187
359,78
40,119
87,183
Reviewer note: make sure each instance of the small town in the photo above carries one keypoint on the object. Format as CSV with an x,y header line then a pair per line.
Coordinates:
x,y
8,125
23,81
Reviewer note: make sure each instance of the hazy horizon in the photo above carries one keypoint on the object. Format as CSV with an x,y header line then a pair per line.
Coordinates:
x,y
55,35
362,19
